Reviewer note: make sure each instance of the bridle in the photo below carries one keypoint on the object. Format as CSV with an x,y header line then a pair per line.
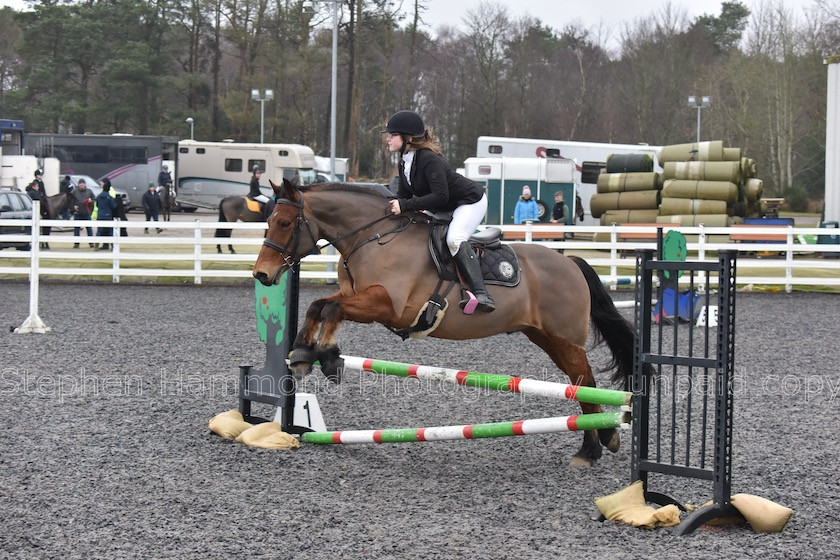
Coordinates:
x,y
300,221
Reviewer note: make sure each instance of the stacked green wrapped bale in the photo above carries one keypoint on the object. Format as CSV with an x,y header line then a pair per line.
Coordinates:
x,y
628,190
706,183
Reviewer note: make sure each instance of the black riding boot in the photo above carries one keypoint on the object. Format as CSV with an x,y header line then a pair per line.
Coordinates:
x,y
470,270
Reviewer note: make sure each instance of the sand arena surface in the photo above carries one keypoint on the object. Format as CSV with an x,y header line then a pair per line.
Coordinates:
x,y
106,451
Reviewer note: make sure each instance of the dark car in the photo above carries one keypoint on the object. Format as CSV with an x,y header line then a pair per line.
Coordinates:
x,y
15,205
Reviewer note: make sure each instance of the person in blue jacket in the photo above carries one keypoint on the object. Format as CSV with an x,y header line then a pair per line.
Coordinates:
x,y
105,205
526,208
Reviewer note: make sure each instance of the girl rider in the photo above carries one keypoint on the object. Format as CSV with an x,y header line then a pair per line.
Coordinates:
x,y
428,183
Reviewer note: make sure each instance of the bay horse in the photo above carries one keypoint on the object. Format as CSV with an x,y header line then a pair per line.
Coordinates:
x,y
235,208
388,276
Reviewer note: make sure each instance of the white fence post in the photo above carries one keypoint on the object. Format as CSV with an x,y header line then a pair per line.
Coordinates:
x,y
789,261
613,254
701,255
197,251
115,249
33,323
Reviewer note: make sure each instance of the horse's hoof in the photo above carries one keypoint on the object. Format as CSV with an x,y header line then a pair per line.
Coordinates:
x,y
302,354
614,442
610,439
300,362
300,370
578,461
332,364
333,369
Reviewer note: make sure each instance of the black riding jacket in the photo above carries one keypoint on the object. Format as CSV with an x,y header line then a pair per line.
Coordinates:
x,y
434,186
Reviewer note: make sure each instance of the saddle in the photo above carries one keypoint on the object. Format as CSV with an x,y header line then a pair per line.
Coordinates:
x,y
259,208
253,205
499,265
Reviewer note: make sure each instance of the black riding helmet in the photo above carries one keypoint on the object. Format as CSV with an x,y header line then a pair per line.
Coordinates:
x,y
406,122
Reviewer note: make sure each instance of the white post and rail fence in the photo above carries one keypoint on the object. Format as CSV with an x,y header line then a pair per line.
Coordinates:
x,y
779,257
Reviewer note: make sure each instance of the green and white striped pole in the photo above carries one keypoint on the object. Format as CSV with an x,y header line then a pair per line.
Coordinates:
x,y
592,395
597,421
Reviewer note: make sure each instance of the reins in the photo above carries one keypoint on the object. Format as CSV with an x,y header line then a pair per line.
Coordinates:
x,y
405,222
379,237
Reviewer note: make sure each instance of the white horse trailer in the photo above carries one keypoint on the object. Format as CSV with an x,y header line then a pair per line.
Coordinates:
x,y
210,171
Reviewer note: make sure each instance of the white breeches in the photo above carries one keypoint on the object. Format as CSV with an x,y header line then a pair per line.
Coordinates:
x,y
261,198
465,220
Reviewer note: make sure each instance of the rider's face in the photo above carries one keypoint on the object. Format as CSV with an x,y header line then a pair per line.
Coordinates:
x,y
395,141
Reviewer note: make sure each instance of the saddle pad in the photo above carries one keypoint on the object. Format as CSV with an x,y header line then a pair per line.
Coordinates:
x,y
253,206
499,266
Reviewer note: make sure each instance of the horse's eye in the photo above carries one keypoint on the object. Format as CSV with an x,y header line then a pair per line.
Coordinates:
x,y
285,223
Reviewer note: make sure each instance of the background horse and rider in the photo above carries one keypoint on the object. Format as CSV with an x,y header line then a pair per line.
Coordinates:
x,y
387,276
167,201
239,208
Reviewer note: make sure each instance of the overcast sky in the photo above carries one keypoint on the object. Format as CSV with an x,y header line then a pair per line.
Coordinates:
x,y
610,15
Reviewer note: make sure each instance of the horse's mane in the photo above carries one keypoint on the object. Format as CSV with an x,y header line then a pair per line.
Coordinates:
x,y
374,189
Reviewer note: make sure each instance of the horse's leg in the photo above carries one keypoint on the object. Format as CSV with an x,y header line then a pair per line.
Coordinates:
x,y
222,232
572,359
303,355
372,305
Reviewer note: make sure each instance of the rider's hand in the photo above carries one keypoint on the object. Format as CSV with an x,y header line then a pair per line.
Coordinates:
x,y
395,207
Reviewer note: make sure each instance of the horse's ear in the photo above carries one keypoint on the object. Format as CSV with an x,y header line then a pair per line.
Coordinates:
x,y
290,190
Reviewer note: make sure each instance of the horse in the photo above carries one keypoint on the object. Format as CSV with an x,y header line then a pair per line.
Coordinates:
x,y
167,201
235,208
55,205
386,278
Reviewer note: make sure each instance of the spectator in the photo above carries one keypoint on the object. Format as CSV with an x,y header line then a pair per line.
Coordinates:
x,y
35,190
64,187
526,209
119,211
106,205
82,205
560,212
151,205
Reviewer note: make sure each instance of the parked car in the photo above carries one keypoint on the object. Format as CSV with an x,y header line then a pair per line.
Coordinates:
x,y
15,205
94,187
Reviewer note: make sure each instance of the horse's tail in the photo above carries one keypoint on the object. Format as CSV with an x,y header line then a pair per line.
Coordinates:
x,y
610,325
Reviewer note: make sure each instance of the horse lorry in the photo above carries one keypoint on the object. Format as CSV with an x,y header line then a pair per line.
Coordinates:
x,y
210,171
18,171
590,159
504,178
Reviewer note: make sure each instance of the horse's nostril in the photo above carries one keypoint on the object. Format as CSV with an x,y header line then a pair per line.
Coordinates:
x,y
262,277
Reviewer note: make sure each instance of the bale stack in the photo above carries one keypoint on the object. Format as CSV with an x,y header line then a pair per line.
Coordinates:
x,y
706,183
628,190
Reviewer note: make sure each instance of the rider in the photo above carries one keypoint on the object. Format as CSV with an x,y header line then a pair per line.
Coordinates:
x,y
164,178
256,193
428,183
